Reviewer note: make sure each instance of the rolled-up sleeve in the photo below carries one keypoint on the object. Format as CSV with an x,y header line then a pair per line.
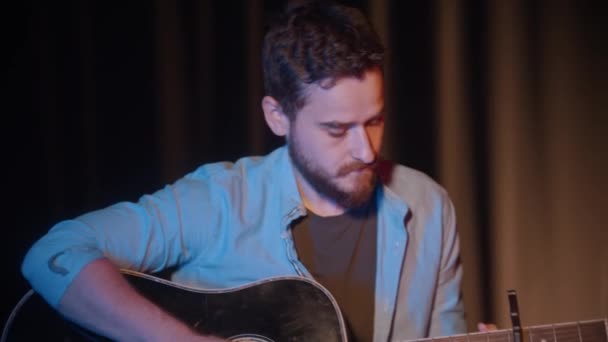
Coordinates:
x,y
160,230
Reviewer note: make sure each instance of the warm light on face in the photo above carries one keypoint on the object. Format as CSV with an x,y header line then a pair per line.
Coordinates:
x,y
335,139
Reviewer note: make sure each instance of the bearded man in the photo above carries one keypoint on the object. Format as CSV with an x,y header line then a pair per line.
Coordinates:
x,y
380,237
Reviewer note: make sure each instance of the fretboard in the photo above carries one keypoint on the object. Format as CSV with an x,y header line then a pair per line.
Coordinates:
x,y
582,331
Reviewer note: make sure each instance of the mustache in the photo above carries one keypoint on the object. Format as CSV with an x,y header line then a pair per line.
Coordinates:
x,y
356,166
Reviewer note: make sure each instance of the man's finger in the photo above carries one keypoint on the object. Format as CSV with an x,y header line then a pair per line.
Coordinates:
x,y
485,327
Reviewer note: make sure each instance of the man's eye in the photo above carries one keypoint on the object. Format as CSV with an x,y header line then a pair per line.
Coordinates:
x,y
376,121
336,132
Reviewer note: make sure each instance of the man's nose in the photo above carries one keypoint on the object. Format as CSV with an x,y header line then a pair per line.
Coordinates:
x,y
362,150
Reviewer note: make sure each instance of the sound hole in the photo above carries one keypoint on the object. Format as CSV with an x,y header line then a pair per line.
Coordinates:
x,y
249,338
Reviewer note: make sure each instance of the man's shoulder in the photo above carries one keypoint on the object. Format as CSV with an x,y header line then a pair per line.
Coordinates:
x,y
245,167
411,185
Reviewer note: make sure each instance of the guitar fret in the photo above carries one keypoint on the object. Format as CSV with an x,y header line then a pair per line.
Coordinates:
x,y
461,338
583,331
493,336
541,334
589,331
592,331
478,337
566,333
500,336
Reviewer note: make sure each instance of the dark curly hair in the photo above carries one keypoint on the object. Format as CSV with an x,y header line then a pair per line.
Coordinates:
x,y
316,42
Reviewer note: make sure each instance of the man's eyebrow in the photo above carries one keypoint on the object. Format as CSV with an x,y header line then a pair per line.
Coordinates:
x,y
335,124
345,124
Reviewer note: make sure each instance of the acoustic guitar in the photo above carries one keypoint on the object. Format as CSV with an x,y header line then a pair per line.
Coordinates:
x,y
275,309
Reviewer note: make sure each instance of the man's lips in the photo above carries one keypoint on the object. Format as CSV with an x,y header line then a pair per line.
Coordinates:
x,y
357,168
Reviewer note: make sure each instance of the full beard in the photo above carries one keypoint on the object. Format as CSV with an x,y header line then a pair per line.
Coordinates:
x,y
322,183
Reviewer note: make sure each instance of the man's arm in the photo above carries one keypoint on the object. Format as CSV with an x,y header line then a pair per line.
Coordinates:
x,y
74,267
448,307
100,299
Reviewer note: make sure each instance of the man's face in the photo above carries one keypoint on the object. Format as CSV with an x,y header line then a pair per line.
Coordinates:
x,y
335,138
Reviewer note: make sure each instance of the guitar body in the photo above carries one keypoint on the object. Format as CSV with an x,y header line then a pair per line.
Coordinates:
x,y
277,309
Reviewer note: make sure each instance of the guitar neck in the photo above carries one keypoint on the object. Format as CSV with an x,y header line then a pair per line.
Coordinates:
x,y
582,331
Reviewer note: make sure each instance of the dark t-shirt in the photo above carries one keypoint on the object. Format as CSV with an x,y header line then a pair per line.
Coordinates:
x,y
340,252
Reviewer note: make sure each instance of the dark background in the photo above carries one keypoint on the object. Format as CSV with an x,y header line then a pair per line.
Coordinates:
x,y
108,100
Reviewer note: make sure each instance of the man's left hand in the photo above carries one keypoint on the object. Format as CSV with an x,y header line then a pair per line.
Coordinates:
x,y
486,327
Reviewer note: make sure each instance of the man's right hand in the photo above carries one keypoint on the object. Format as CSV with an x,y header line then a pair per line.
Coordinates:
x,y
101,299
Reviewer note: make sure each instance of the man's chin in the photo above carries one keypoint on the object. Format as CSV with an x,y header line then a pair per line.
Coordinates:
x,y
357,200
358,197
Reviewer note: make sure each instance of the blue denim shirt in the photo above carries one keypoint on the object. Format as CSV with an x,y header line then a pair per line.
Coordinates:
x,y
227,224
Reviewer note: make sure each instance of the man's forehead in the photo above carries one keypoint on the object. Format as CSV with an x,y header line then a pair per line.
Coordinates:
x,y
345,108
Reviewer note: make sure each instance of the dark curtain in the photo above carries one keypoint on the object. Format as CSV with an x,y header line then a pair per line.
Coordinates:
x,y
501,102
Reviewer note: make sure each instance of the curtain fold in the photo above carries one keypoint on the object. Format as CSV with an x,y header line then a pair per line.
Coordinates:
x,y
455,152
546,158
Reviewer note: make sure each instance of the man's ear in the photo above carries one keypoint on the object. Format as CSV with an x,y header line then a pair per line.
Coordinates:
x,y
275,118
